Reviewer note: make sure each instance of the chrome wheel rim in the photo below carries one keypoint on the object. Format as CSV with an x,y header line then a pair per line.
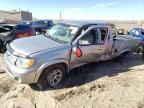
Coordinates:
x,y
54,77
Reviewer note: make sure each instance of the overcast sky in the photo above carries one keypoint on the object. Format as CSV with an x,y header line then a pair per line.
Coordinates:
x,y
79,9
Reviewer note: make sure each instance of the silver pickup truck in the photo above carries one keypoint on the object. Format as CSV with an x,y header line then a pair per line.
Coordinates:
x,y
44,60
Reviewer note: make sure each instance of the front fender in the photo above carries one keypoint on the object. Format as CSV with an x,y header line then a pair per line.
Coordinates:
x,y
50,63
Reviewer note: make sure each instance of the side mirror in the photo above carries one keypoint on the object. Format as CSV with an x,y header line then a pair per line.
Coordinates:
x,y
77,51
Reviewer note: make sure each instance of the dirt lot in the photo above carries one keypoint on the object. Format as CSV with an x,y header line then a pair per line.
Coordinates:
x,y
114,84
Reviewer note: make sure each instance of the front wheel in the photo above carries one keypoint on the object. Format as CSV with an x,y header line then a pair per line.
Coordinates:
x,y
52,77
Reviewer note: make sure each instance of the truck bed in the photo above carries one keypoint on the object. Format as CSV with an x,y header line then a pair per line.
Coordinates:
x,y
123,43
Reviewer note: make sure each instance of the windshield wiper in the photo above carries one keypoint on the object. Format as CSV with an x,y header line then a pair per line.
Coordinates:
x,y
58,40
55,39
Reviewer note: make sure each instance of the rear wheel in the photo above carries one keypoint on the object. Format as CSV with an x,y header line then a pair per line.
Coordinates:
x,y
51,77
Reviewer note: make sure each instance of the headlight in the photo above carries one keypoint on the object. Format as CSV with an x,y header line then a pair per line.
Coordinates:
x,y
24,62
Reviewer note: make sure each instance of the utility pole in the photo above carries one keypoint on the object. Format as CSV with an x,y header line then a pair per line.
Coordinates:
x,y
60,16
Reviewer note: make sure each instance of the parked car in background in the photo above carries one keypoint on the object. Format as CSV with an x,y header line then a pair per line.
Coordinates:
x,y
41,26
137,33
45,59
3,29
25,22
8,26
18,31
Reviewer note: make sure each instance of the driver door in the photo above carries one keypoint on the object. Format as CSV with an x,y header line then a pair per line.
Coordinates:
x,y
92,47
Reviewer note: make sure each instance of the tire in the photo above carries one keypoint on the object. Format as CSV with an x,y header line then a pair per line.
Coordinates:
x,y
52,77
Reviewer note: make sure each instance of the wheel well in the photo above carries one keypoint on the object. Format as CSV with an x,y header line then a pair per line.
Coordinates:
x,y
66,67
63,64
125,53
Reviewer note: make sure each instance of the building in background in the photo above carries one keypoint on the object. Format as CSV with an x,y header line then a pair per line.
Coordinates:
x,y
15,16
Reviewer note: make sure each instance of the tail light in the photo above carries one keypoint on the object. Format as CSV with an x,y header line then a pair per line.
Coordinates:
x,y
77,51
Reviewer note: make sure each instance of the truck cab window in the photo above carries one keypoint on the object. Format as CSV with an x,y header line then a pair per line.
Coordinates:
x,y
88,38
103,34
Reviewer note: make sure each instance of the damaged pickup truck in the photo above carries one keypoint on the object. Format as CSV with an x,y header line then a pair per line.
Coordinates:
x,y
45,59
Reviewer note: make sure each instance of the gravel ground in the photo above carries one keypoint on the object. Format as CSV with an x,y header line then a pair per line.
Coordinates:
x,y
5,81
113,84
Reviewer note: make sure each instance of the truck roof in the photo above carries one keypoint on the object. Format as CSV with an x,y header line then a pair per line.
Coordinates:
x,y
83,23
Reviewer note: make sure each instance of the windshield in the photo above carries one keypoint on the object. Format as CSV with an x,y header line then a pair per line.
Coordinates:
x,y
62,32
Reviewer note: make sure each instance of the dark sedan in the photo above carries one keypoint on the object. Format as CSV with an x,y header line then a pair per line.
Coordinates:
x,y
137,33
19,31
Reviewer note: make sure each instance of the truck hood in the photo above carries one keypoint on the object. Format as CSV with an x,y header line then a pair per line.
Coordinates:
x,y
30,45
